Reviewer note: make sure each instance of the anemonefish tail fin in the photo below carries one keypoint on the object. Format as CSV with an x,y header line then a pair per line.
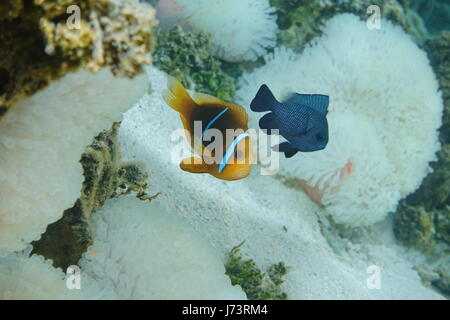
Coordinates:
x,y
287,148
194,165
264,100
177,97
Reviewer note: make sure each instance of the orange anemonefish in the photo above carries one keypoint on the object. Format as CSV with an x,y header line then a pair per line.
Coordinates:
x,y
233,160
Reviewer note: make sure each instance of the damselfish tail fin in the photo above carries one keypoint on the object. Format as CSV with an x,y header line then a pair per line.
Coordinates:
x,y
177,97
264,100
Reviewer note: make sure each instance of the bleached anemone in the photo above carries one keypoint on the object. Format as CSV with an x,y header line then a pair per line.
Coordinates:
x,y
240,29
141,251
352,176
380,75
41,140
23,277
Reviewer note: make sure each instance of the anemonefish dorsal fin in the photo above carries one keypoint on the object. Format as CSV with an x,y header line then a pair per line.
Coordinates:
x,y
240,114
194,165
317,102
238,111
177,97
206,99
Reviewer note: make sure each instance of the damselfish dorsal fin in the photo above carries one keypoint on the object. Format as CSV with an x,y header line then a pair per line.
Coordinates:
x,y
264,100
236,110
194,165
317,102
178,98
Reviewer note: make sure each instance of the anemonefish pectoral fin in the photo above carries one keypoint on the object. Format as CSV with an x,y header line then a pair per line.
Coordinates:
x,y
317,102
194,165
238,111
177,97
268,122
288,149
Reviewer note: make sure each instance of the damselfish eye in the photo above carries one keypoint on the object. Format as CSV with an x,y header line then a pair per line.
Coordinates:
x,y
319,137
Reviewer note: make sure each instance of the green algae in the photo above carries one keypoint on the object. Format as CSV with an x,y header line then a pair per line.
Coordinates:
x,y
256,284
65,240
185,55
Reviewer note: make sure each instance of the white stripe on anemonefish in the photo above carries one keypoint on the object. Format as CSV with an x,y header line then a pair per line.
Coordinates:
x,y
212,121
230,150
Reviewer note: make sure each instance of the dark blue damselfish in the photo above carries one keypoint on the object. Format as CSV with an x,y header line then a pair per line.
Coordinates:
x,y
301,120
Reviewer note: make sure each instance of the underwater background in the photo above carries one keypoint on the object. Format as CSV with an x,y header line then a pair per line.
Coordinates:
x,y
87,179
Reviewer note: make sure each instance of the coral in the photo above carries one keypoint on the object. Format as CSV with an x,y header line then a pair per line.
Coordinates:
x,y
302,20
414,227
373,80
119,36
435,14
185,55
422,221
417,27
38,45
65,240
439,53
105,177
241,29
256,284
169,259
41,141
10,9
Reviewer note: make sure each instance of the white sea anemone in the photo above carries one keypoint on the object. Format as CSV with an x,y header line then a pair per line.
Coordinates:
x,y
142,251
23,277
357,184
378,74
41,140
240,29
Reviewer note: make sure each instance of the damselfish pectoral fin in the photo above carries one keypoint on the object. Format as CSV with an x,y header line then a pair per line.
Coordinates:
x,y
194,165
288,149
268,122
